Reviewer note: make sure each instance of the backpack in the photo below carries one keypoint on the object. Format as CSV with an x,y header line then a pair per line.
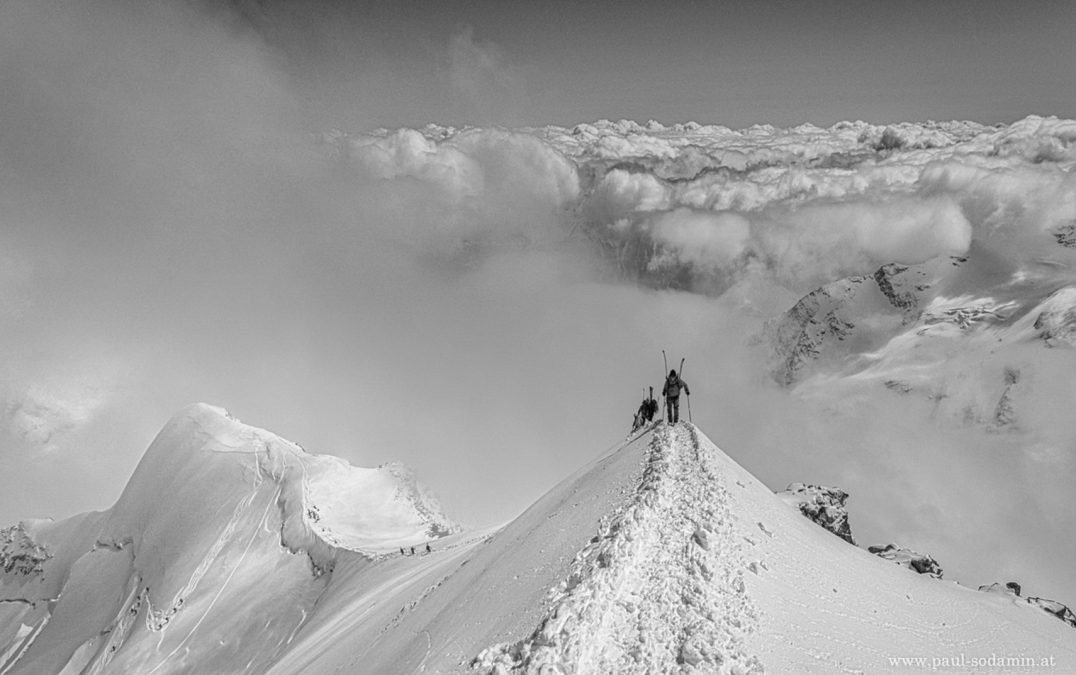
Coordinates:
x,y
672,387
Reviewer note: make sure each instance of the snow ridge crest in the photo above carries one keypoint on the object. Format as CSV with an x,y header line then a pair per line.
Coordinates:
x,y
659,583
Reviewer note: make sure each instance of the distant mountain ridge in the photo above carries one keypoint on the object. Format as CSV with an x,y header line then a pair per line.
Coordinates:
x,y
916,330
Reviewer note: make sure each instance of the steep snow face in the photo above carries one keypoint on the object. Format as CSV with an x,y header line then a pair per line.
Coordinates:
x,y
173,577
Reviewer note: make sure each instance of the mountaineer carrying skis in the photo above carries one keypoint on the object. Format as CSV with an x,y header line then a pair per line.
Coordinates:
x,y
647,409
671,392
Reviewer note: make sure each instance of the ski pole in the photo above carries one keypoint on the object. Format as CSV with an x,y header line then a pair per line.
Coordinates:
x,y
664,375
689,395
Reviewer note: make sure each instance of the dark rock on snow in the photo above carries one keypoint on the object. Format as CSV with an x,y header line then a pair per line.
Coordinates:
x,y
923,564
823,505
1053,607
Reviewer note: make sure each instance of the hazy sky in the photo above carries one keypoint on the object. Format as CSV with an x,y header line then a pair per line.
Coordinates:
x,y
733,63
170,232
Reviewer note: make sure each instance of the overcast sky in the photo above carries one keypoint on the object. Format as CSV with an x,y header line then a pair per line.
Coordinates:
x,y
170,232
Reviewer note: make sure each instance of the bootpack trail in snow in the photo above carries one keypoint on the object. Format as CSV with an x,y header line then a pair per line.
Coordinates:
x,y
659,589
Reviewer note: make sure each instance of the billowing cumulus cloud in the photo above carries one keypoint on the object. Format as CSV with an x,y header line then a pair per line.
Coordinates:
x,y
816,243
797,245
480,186
821,202
620,193
703,238
1004,197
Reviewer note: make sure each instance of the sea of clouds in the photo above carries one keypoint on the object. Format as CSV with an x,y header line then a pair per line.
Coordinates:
x,y
485,304
699,207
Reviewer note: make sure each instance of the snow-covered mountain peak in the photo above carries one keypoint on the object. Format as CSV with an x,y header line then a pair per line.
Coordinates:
x,y
326,503
214,506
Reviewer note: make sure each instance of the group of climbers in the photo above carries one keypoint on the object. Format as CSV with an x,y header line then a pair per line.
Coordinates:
x,y
674,384
649,407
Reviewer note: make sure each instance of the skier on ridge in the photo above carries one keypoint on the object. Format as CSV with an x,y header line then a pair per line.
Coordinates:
x,y
671,392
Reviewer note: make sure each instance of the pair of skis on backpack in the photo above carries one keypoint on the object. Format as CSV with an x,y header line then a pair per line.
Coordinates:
x,y
649,407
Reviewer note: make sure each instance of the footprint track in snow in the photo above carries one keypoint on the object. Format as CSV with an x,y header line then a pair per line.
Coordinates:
x,y
658,590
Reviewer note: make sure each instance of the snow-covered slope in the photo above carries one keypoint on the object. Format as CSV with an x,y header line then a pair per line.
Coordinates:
x,y
662,555
212,558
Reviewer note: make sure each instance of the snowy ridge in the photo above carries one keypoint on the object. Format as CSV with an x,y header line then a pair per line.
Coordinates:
x,y
661,555
658,585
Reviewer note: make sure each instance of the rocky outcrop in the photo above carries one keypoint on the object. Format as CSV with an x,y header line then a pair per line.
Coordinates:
x,y
19,554
903,287
1052,607
411,491
1066,235
823,505
1056,322
1010,588
800,335
905,557
849,316
1056,608
1004,414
